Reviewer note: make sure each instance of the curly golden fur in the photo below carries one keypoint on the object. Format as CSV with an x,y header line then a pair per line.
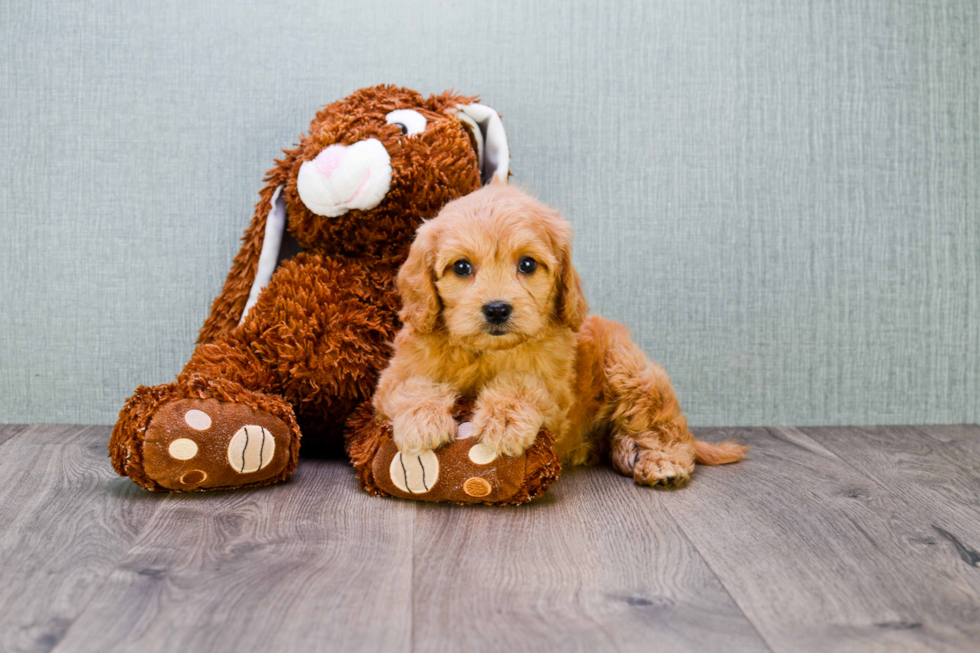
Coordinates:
x,y
482,321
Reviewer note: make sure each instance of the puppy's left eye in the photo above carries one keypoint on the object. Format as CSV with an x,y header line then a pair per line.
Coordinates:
x,y
410,122
527,265
462,268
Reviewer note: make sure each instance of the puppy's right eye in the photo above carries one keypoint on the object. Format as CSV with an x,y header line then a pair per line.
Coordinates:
x,y
462,268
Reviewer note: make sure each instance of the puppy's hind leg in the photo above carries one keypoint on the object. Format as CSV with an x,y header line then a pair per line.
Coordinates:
x,y
649,436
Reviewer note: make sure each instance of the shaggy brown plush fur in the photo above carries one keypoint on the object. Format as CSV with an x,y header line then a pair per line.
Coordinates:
x,y
544,364
318,336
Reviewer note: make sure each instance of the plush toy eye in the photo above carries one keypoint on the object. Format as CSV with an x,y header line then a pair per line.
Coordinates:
x,y
462,268
410,122
527,265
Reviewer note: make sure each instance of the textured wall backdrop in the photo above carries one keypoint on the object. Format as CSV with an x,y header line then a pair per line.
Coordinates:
x,y
780,198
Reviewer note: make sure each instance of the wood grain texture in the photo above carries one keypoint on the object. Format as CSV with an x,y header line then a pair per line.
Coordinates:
x,y
8,431
934,469
859,539
65,521
312,564
597,564
821,557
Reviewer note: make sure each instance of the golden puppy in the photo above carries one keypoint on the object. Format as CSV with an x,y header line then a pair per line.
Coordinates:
x,y
493,309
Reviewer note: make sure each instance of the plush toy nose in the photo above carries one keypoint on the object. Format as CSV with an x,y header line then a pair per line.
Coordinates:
x,y
497,312
329,160
345,177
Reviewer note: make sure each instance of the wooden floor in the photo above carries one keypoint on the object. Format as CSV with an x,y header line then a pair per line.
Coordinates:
x,y
839,539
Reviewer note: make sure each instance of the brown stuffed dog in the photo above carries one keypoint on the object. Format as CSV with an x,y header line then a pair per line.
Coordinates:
x,y
304,323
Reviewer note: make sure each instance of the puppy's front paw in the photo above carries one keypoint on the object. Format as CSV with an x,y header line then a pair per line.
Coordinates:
x,y
507,427
422,428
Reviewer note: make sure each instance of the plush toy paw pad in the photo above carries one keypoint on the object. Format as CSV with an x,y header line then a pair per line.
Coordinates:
x,y
194,477
482,454
477,487
251,451
415,473
195,444
198,420
182,449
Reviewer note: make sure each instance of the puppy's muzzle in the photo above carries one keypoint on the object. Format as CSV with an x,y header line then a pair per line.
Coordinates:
x,y
497,314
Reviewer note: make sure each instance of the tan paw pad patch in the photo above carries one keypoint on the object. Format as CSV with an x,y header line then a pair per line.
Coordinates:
x,y
197,420
415,473
251,449
477,487
482,454
182,449
194,477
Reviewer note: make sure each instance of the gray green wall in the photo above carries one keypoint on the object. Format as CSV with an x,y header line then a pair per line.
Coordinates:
x,y
780,198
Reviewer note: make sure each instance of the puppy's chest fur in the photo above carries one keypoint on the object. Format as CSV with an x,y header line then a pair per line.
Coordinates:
x,y
550,359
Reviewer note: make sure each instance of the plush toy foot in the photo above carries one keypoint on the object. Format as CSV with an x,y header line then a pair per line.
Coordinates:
x,y
204,435
463,471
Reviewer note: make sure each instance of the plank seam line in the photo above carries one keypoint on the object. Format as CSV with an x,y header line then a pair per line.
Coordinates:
x,y
411,593
724,587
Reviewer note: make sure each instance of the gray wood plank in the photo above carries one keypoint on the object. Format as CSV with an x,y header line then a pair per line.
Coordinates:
x,y
936,469
313,564
8,431
597,564
65,521
820,557
953,433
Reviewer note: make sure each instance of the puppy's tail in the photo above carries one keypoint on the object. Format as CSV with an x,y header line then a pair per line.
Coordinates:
x,y
722,453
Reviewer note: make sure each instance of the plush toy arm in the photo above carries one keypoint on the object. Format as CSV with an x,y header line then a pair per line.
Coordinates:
x,y
230,306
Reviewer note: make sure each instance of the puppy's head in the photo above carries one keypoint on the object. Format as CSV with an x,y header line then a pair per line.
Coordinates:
x,y
492,270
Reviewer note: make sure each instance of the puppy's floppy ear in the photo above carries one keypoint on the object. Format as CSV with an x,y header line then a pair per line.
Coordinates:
x,y
570,304
417,285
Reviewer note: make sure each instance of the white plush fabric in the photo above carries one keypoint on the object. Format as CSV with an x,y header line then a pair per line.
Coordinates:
x,y
474,129
495,154
414,121
275,224
359,181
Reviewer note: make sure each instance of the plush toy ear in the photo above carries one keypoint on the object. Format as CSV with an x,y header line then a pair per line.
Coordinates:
x,y
275,225
416,283
491,142
262,243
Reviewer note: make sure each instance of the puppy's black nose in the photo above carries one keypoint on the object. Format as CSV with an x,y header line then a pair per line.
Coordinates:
x,y
497,312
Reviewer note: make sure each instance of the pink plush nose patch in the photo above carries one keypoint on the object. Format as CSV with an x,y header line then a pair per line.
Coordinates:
x,y
329,159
